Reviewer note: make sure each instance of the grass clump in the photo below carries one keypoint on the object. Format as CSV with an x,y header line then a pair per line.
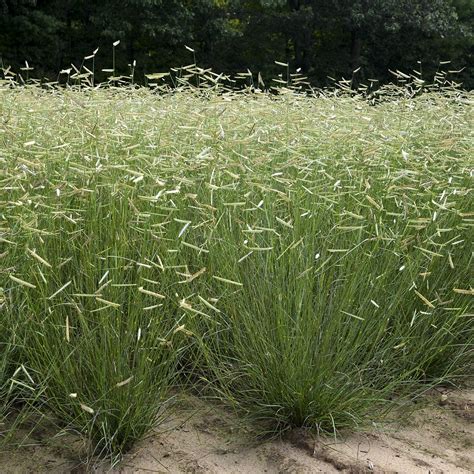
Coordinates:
x,y
308,258
5,356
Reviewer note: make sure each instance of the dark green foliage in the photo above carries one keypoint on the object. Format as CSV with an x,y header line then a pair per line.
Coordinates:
x,y
323,38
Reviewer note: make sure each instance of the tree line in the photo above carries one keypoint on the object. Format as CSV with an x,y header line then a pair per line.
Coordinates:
x,y
324,39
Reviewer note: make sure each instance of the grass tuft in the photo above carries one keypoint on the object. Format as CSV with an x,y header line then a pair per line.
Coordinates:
x,y
305,257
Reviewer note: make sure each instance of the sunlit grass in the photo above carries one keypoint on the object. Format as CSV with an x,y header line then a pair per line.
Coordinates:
x,y
306,258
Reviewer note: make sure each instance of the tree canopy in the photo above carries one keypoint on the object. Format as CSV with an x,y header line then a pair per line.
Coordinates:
x,y
321,37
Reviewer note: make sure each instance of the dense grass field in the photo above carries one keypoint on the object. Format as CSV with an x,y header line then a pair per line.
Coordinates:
x,y
306,259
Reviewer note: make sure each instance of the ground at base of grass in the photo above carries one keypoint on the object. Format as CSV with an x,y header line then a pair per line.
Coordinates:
x,y
205,438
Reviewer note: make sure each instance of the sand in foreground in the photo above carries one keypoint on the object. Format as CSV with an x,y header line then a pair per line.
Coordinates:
x,y
208,439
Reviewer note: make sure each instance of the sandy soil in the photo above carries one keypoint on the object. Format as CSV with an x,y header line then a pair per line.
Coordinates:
x,y
438,438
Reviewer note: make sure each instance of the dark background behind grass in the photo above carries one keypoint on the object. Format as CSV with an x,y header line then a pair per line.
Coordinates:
x,y
322,37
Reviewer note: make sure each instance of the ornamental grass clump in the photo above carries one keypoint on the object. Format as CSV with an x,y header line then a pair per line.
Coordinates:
x,y
305,257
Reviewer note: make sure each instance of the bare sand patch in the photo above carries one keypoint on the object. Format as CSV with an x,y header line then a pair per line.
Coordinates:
x,y
205,438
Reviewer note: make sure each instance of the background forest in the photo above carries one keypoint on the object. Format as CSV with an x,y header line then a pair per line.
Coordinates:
x,y
322,37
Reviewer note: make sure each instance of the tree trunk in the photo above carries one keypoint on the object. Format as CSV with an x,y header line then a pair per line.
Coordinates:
x,y
131,46
356,46
301,34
